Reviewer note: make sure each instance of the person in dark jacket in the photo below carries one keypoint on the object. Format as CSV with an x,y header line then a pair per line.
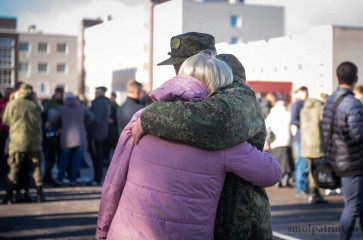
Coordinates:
x,y
73,116
101,108
112,132
131,105
302,167
51,133
345,147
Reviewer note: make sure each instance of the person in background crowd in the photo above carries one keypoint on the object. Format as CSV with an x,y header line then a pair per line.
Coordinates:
x,y
267,103
51,133
97,132
301,168
312,140
358,93
345,149
278,125
224,119
145,99
4,132
131,105
73,116
112,135
23,116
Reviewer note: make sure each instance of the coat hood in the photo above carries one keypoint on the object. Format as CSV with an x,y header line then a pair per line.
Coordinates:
x,y
239,74
70,100
312,103
180,88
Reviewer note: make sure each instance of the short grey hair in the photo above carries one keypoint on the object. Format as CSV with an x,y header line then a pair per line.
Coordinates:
x,y
207,68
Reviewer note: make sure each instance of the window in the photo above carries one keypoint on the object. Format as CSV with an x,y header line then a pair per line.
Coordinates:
x,y
43,47
23,67
43,68
7,42
61,48
7,62
24,46
61,68
43,88
234,40
236,21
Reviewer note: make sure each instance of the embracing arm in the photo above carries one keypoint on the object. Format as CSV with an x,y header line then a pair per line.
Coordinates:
x,y
115,180
252,165
224,119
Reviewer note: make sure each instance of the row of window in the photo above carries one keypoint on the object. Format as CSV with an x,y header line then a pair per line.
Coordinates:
x,y
43,47
43,68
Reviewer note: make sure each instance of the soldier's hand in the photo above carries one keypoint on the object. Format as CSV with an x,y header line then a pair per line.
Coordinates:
x,y
137,131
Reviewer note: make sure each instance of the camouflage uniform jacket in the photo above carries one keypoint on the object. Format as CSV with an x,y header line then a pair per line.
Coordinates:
x,y
24,117
226,118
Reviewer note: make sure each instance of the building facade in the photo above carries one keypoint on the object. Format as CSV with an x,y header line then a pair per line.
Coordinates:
x,y
47,61
8,53
231,22
307,59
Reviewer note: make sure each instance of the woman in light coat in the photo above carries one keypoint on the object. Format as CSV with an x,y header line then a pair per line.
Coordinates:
x,y
160,189
278,124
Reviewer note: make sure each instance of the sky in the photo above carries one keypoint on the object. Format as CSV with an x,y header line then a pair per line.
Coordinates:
x,y
64,16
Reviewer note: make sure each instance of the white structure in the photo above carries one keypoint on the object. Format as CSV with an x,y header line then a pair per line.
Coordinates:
x,y
117,50
46,61
308,59
231,23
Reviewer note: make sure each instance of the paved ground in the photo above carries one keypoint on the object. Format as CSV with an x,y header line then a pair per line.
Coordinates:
x,y
71,213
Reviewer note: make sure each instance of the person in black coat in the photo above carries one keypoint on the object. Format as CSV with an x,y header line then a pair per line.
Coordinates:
x,y
97,132
345,149
131,105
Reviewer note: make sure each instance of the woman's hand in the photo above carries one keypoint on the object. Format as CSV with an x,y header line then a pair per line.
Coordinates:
x,y
137,131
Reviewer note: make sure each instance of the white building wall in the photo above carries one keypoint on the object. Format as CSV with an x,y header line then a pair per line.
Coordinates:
x,y
303,59
256,22
50,79
115,46
180,16
168,19
348,46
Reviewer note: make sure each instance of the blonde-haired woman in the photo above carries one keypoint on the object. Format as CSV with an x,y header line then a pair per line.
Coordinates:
x,y
160,189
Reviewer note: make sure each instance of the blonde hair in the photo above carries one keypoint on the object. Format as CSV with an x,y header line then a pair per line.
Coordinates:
x,y
207,68
133,85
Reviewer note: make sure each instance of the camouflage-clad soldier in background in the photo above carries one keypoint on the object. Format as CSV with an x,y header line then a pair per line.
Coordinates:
x,y
24,117
224,119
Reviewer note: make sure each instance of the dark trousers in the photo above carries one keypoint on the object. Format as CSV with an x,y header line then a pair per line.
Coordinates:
x,y
97,154
52,153
19,162
352,188
3,158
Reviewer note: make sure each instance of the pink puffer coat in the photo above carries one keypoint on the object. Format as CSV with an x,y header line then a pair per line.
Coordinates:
x,y
160,189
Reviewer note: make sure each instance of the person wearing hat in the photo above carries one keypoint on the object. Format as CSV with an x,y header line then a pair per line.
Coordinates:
x,y
97,132
23,116
51,134
226,118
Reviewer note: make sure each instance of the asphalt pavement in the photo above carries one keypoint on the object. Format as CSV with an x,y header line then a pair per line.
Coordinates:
x,y
71,213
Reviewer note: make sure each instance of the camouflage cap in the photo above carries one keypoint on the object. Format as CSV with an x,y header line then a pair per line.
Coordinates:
x,y
186,45
238,70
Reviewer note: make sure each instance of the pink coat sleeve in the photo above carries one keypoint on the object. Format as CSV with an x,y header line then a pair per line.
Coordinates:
x,y
115,180
249,163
